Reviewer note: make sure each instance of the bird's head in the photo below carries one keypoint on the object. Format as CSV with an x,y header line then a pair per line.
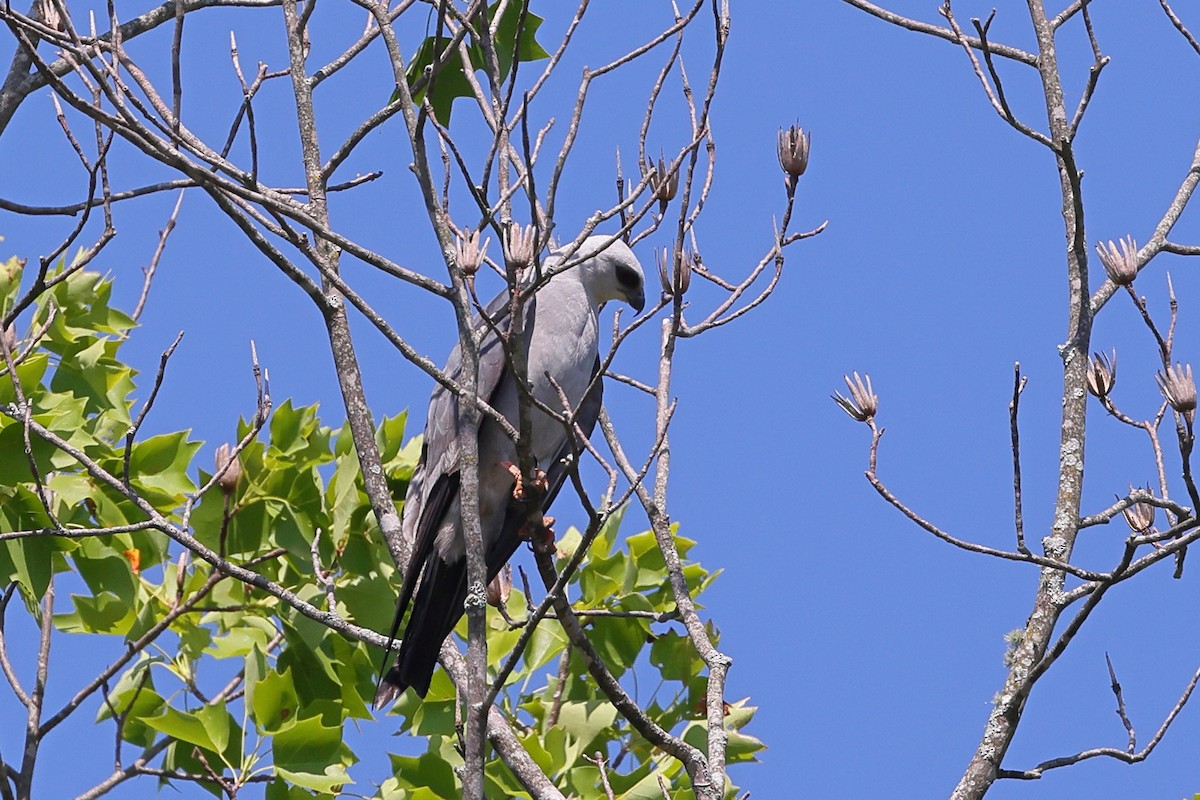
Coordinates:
x,y
610,271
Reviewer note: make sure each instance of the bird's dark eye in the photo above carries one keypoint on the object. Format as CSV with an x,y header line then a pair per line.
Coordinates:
x,y
627,277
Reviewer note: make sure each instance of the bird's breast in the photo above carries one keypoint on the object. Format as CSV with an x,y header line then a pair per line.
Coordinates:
x,y
563,359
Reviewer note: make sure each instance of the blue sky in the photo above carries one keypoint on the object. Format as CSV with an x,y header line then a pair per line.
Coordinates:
x,y
872,649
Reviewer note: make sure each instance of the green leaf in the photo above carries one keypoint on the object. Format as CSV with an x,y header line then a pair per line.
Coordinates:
x,y
604,577
558,745
356,672
255,668
607,538
161,463
10,283
368,600
210,728
508,46
365,558
184,726
31,560
619,640
218,724
313,675
14,464
145,704
248,528
104,613
181,756
742,747
501,642
675,656
297,437
134,697
29,373
535,746
547,642
193,641
92,373
280,789
432,716
250,632
585,721
328,781
390,437
72,489
292,524
313,750
105,569
275,702
646,788
429,771
450,82
342,496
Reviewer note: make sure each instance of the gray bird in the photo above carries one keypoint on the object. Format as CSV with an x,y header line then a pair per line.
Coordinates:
x,y
562,330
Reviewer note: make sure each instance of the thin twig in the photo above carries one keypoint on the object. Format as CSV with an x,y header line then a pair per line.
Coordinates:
x,y
1179,26
1019,382
137,423
1116,690
1109,752
1013,53
158,252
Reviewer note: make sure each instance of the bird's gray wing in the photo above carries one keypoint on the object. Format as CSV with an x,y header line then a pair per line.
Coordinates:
x,y
439,459
438,467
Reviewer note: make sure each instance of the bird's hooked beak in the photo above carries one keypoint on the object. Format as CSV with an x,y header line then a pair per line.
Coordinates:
x,y
637,299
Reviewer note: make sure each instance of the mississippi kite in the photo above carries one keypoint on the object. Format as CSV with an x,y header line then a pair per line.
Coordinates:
x,y
562,330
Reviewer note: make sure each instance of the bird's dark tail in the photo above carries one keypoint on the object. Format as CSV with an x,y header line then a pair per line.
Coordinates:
x,y
435,611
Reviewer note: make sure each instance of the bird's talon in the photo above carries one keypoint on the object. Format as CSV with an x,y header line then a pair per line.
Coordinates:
x,y
545,543
519,492
541,540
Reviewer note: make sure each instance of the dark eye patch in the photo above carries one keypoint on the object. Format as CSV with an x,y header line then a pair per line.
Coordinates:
x,y
627,277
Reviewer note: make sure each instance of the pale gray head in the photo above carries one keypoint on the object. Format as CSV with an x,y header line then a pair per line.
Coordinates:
x,y
610,271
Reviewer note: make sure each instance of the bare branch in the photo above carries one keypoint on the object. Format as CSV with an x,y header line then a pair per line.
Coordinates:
x,y
158,252
996,98
1116,689
1109,752
1019,382
9,673
137,423
20,82
1013,53
1179,26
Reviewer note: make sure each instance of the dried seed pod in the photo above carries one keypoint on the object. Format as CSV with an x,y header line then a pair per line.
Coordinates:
x,y
520,247
1178,386
1140,516
1119,263
226,460
674,270
468,253
1102,374
500,587
794,145
51,17
663,186
862,403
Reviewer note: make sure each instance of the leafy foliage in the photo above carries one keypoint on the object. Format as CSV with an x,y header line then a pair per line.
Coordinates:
x,y
300,518
516,29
